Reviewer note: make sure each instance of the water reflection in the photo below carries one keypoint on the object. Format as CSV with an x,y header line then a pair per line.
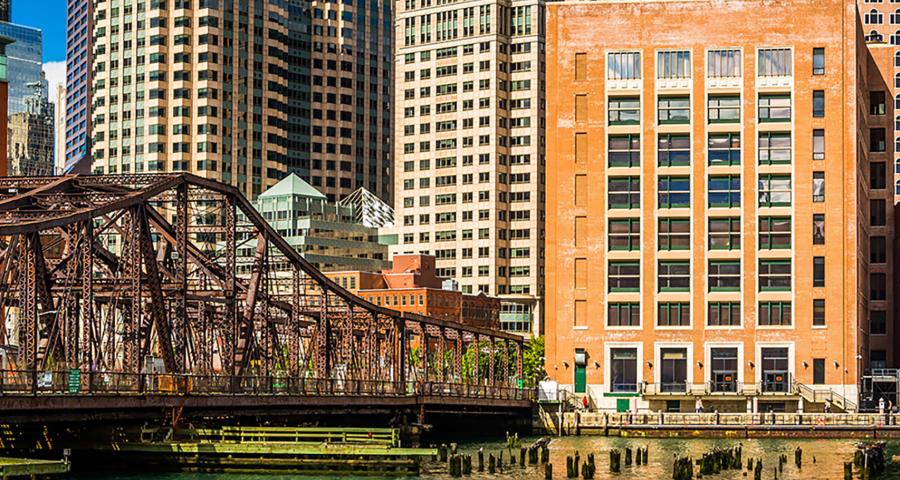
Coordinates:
x,y
829,456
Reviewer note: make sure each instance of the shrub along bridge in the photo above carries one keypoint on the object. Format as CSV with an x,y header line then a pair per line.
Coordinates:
x,y
125,292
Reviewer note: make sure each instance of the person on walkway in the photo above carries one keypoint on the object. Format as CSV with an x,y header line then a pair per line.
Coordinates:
x,y
699,405
584,402
827,406
881,405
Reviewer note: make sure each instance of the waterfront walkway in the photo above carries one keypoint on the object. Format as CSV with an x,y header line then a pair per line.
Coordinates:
x,y
661,424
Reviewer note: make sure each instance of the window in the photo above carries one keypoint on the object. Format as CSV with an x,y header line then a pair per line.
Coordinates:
x,y
774,191
873,17
818,61
625,150
724,369
674,110
673,65
818,271
724,149
623,370
818,229
624,276
877,142
818,312
877,103
774,62
877,249
625,234
723,64
674,276
674,192
878,322
774,148
877,359
818,144
774,107
624,314
674,234
674,314
725,233
624,111
774,275
724,109
818,191
878,284
818,105
724,191
877,175
623,66
724,276
724,314
877,213
818,371
775,314
674,150
625,192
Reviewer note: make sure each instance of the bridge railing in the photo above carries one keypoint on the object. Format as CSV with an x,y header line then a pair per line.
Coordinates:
x,y
75,382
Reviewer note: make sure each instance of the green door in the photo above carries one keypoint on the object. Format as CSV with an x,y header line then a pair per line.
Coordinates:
x,y
623,405
580,371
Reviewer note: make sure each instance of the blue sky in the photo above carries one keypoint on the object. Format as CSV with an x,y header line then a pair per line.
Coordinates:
x,y
49,16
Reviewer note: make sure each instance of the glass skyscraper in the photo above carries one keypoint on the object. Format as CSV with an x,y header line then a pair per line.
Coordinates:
x,y
24,65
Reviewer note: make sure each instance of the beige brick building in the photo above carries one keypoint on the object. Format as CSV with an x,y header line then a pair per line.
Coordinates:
x,y
469,146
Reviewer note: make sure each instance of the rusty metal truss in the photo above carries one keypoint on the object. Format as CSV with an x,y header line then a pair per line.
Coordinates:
x,y
142,274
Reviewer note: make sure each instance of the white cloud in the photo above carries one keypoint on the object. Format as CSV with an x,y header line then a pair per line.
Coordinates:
x,y
56,75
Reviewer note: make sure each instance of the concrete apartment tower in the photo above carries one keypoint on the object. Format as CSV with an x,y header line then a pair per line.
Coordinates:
x,y
243,91
469,146
720,215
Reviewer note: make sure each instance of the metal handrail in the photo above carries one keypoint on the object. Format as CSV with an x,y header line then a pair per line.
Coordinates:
x,y
66,382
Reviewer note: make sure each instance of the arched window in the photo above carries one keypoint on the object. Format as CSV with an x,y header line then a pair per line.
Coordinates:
x,y
897,122
874,37
873,17
897,188
897,80
895,38
895,17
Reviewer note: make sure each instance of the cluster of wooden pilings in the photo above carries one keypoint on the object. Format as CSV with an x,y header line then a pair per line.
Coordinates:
x,y
718,460
869,458
460,464
588,468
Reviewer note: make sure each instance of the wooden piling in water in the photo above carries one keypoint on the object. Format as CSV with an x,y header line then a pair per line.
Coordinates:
x,y
522,457
442,453
545,454
848,470
548,471
627,456
480,459
615,461
798,457
492,464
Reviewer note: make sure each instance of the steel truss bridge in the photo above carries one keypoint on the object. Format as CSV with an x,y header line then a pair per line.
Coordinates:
x,y
127,291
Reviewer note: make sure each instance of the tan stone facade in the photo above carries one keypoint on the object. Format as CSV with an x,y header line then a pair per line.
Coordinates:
x,y
715,179
191,86
469,145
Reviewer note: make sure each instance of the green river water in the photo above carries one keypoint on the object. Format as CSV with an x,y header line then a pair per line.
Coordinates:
x,y
829,456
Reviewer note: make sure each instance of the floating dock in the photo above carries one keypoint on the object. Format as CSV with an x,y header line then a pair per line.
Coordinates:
x,y
343,451
26,467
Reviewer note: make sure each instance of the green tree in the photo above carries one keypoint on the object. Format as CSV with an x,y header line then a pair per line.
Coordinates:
x,y
533,361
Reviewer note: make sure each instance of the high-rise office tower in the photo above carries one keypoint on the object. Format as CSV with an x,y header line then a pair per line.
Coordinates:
x,y
720,222
30,142
469,146
59,131
351,59
25,63
244,91
76,138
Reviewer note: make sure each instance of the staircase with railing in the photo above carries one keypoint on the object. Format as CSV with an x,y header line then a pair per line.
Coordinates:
x,y
815,395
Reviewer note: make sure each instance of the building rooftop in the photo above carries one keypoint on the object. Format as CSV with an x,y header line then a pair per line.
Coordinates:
x,y
293,185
